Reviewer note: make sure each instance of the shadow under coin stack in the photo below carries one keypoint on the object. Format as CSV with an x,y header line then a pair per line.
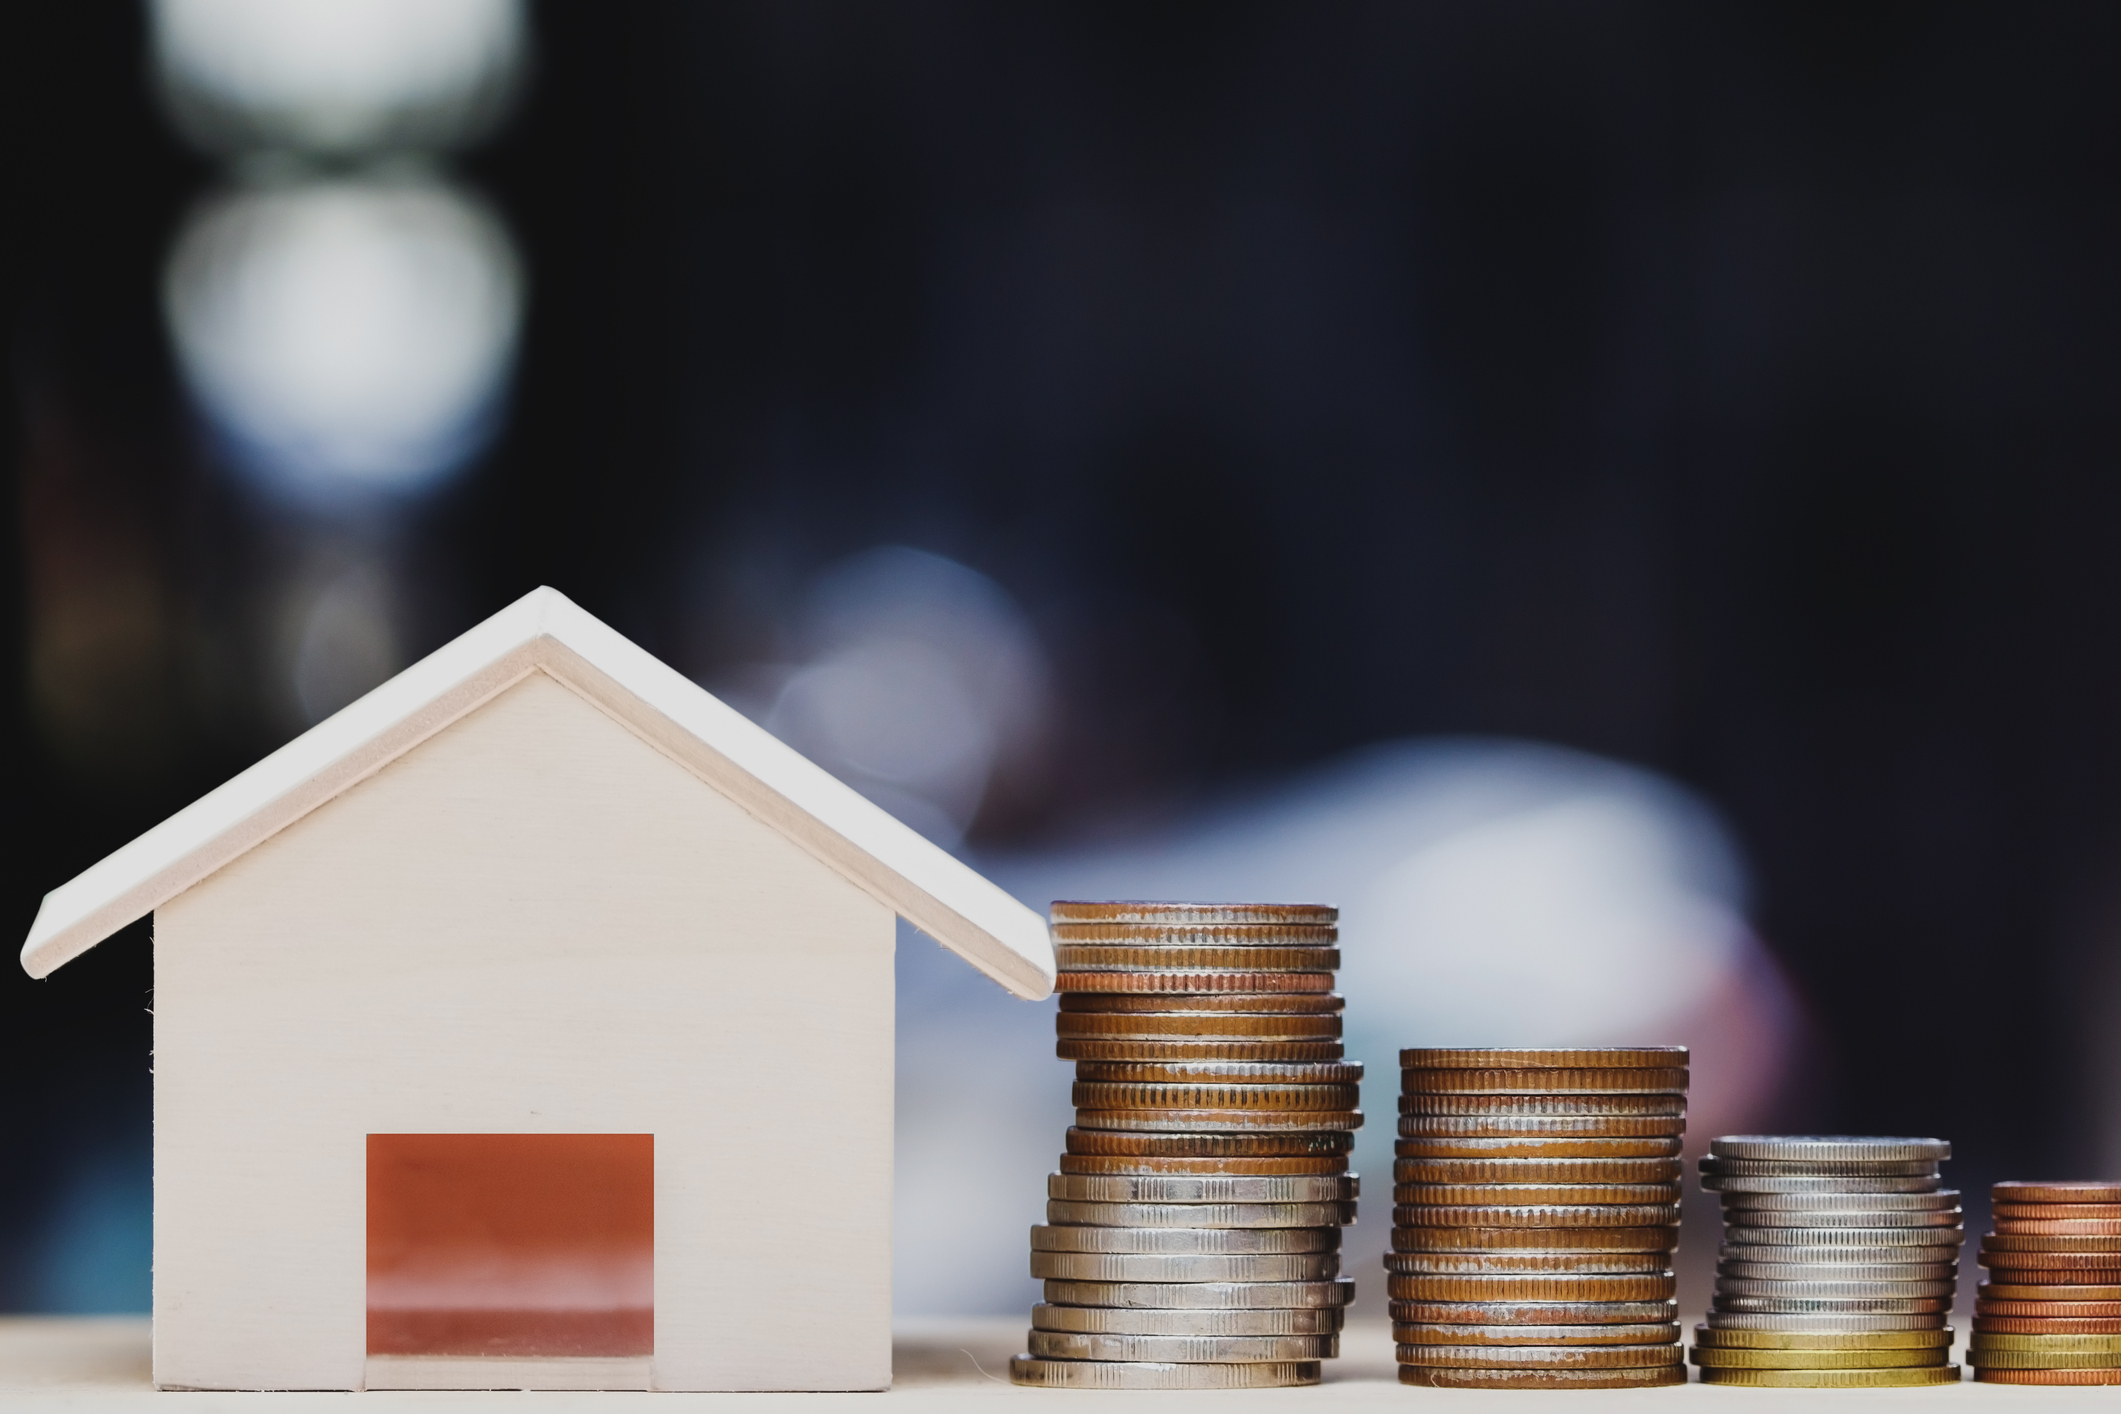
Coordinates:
x,y
2050,1311
1535,1212
1840,1257
1192,1235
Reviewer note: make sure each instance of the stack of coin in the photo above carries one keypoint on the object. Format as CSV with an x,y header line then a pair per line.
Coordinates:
x,y
1535,1213
2050,1311
1192,1235
1840,1256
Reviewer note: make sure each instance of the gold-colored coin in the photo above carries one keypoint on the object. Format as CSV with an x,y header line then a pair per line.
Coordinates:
x,y
1536,1171
2024,1191
2068,1344
1143,1374
1525,1058
1270,1003
1543,1261
2107,1376
1835,1379
1103,1095
1935,1338
1493,1149
1299,1143
1520,1126
1193,982
1716,1357
1644,1080
1154,1164
1219,1073
1982,1359
1089,957
2047,1325
1555,1106
1657,1333
1534,1286
1216,1121
1662,1238
1539,1357
1195,1049
1131,910
1522,1195
1438,1377
1551,1215
1406,1311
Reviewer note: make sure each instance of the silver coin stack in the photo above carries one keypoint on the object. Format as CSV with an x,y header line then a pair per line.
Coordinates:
x,y
1192,1234
1839,1262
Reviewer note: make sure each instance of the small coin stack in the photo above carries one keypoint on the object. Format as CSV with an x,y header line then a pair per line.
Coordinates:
x,y
2050,1311
1840,1256
1192,1235
1535,1212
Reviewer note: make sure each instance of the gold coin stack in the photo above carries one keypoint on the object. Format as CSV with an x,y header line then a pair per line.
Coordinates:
x,y
2050,1311
1840,1256
1192,1234
1535,1212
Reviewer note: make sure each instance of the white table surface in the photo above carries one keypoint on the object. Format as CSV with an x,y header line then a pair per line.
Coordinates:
x,y
87,1364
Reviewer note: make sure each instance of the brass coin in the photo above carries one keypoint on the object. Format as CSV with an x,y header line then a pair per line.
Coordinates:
x,y
1716,1357
1533,1286
1102,957
2013,1242
2073,1191
1829,1306
1202,1295
2044,1291
2045,1340
1826,1147
1179,982
1521,1058
1152,1025
1290,1143
1937,1338
1146,1164
1646,1080
2057,1227
1139,1049
2043,1360
1820,1168
1549,1357
2074,1212
2109,1376
1186,1266
1835,1379
1109,1320
1219,1073
1557,1106
1272,1003
1182,1349
1102,1095
1129,1374
1509,1126
1216,1121
1543,1261
1157,911
1550,1215
1177,1188
1406,1311
1648,1333
1196,1241
2100,1318
1662,1171
1663,1238
1434,1377
1521,1195
1200,1214
1491,1149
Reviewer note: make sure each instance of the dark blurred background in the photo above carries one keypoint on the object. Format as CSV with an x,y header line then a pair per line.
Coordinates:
x,y
1730,391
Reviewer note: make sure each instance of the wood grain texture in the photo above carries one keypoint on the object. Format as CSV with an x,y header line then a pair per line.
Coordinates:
x,y
534,921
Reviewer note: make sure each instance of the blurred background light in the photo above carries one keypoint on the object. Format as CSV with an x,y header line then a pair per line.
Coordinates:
x,y
337,76
346,336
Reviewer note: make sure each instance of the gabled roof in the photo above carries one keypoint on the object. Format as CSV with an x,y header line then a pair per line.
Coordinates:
x,y
544,631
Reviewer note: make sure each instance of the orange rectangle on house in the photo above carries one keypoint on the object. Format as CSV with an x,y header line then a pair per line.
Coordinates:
x,y
517,1245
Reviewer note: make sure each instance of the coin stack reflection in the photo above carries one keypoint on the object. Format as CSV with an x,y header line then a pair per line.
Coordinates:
x,y
1840,1256
2050,1311
1535,1212
1192,1235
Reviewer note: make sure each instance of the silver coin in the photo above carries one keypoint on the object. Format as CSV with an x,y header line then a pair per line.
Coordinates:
x,y
1202,1188
1817,1324
1201,1214
1181,1241
1785,1183
1821,1168
1735,1205
1202,1295
1798,1290
1429,1333
1114,1320
1183,1349
1826,1146
1829,1306
1838,1271
1761,1253
1143,1374
1152,1266
1924,1236
1819,1221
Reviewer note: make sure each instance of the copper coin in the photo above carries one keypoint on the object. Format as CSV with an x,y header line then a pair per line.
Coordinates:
x,y
1490,1149
1533,1286
1521,1058
2072,1191
1518,1126
2044,1325
1088,957
2048,1310
1521,1195
1434,1377
1193,982
1639,1080
1268,1003
1553,1215
1292,1143
1178,1121
2013,1242
2056,1227
1604,1262
2041,1268
1436,1333
1219,1073
2046,1291
2075,1212
1197,935
1138,1164
1149,1026
1103,1095
1559,1106
1533,1313
2109,1376
1536,1171
1519,1239
1139,1049
1134,910
1540,1357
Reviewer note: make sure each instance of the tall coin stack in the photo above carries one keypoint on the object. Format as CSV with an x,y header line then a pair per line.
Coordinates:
x,y
1840,1257
2050,1311
1535,1212
1192,1235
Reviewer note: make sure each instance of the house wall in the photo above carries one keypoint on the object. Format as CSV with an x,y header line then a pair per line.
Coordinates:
x,y
532,922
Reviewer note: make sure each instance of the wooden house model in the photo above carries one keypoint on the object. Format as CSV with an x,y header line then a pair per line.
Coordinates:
x,y
528,1024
